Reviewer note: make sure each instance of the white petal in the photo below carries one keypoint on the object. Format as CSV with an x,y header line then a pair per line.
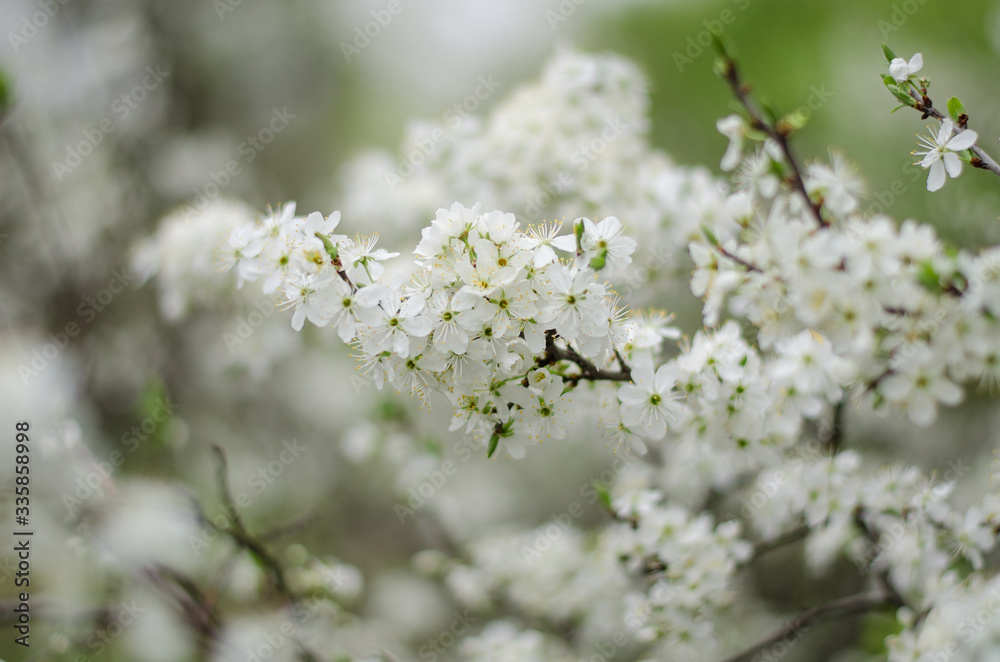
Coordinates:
x,y
952,164
936,178
916,62
898,69
944,135
964,140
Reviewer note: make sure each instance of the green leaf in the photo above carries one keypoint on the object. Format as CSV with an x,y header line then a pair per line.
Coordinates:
x,y
889,55
6,93
888,80
928,277
712,239
721,47
494,441
769,113
598,261
955,108
902,96
603,495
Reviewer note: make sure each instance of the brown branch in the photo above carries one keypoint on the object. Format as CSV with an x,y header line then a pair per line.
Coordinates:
x,y
762,547
588,370
239,532
854,604
778,135
749,266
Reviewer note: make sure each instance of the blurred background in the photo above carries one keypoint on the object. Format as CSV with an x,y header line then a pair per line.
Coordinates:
x,y
116,114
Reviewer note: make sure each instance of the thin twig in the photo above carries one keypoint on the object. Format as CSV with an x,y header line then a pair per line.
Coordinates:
x,y
762,547
239,533
779,136
854,604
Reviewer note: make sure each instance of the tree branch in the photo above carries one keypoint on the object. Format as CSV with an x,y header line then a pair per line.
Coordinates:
x,y
240,534
588,370
854,604
778,134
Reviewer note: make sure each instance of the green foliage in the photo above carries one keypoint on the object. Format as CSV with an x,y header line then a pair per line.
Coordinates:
x,y
955,108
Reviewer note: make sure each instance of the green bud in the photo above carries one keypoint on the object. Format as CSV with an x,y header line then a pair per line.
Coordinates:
x,y
598,261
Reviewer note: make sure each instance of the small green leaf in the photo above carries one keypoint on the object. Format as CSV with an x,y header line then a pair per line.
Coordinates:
x,y
889,55
712,239
721,47
928,277
578,233
598,261
603,495
955,108
6,94
769,113
902,96
494,441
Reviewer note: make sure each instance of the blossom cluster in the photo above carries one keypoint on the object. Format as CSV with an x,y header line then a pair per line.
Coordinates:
x,y
489,308
909,318
515,326
895,523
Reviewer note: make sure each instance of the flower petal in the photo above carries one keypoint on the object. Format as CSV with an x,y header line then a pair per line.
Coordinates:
x,y
952,164
936,179
964,140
